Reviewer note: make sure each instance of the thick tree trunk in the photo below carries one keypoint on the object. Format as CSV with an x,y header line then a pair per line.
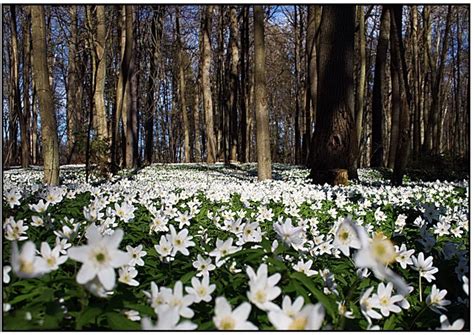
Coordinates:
x,y
48,117
399,93
182,90
378,91
334,140
261,112
206,84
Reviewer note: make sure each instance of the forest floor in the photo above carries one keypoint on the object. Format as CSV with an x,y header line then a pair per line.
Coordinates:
x,y
197,241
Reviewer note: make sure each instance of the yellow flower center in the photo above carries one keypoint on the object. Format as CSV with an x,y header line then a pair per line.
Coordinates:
x,y
383,250
51,261
227,323
201,291
384,301
298,324
26,267
344,235
178,242
100,257
261,296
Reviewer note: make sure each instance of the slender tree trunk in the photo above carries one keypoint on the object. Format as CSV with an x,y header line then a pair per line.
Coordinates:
x,y
298,88
206,84
378,91
48,117
361,82
416,82
334,137
25,114
263,129
244,85
197,123
15,99
428,130
234,82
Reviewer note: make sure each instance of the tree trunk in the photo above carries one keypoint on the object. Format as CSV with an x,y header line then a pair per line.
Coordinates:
x,y
197,122
206,84
244,85
378,91
428,129
182,90
15,99
435,91
334,138
361,82
263,129
25,114
48,117
74,89
297,88
234,83
399,93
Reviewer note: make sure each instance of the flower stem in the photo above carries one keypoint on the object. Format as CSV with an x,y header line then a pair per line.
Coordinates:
x,y
419,287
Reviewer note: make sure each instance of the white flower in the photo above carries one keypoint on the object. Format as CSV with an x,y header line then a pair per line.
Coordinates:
x,y
342,310
201,290
176,299
183,219
126,275
465,285
40,207
424,266
164,248
379,215
168,319
159,224
445,325
125,211
310,317
63,245
36,221
12,197
136,255
203,265
226,319
15,231
158,297
132,315
292,309
305,268
223,249
385,301
99,257
436,301
375,255
263,289
180,241
367,305
26,264
52,257
289,235
6,276
403,255
346,237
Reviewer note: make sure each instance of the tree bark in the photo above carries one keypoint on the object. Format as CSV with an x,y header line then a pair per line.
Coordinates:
x,y
182,90
378,91
334,139
48,117
234,82
25,114
244,85
15,99
297,88
206,84
361,82
399,93
263,129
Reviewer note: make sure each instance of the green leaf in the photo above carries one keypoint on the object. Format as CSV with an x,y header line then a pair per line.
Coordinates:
x,y
88,316
118,321
187,277
322,298
389,324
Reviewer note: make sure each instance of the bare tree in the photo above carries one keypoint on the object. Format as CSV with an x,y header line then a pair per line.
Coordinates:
x,y
263,129
46,103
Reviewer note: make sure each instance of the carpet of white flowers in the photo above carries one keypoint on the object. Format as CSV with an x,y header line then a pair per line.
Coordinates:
x,y
209,247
